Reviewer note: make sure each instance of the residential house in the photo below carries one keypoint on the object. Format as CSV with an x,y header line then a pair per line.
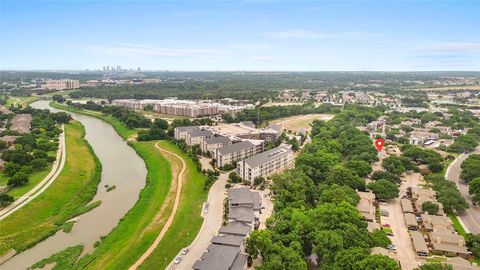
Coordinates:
x,y
448,243
419,243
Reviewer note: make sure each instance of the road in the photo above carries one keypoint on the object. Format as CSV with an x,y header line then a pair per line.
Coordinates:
x,y
179,183
212,221
57,168
401,238
471,216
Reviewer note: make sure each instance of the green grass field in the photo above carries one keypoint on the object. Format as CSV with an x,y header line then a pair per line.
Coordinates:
x,y
187,221
23,101
458,227
72,190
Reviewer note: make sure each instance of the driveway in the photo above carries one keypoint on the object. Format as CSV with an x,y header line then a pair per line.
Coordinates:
x,y
212,221
471,217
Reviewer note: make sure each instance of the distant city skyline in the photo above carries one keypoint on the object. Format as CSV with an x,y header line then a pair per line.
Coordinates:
x,y
241,35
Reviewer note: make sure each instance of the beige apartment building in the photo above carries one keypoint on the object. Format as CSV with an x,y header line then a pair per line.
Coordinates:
x,y
180,133
212,144
61,84
266,163
196,137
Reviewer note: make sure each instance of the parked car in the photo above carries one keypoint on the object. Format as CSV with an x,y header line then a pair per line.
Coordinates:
x,y
386,225
384,203
205,209
177,260
419,219
385,214
185,251
391,247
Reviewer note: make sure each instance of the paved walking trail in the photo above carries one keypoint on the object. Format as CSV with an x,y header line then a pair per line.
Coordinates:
x,y
57,168
180,179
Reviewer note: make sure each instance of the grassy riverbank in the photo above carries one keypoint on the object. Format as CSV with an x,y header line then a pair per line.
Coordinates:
x,y
187,221
138,229
35,178
140,226
121,129
66,197
22,101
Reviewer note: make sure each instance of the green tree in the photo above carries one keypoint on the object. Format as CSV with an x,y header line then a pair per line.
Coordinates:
x,y
393,164
19,179
336,194
5,199
293,188
435,266
341,175
384,189
375,262
346,259
430,207
39,163
360,167
473,244
377,175
380,238
474,189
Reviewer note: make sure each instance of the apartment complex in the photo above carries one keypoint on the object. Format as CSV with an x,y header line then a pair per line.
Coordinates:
x,y
187,108
180,133
266,163
61,84
196,137
234,152
210,145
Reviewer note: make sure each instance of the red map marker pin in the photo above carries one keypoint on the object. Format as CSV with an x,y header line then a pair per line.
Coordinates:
x,y
379,144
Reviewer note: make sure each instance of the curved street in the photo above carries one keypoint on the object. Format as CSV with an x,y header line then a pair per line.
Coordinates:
x,y
57,168
471,217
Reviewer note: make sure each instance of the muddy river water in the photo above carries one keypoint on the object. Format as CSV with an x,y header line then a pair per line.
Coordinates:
x,y
121,167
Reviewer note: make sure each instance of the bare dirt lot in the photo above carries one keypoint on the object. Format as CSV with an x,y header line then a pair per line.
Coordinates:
x,y
301,121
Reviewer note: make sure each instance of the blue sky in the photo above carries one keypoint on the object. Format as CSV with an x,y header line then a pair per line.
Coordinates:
x,y
241,35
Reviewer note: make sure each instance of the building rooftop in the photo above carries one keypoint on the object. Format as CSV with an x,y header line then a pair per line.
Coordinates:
x,y
228,240
241,213
200,133
419,243
187,128
235,228
407,206
21,123
267,156
448,242
215,140
236,147
410,220
217,257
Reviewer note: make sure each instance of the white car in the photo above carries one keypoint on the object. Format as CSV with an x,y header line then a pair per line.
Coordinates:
x,y
185,251
177,260
391,247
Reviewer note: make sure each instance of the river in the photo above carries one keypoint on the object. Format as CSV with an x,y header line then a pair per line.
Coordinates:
x,y
121,167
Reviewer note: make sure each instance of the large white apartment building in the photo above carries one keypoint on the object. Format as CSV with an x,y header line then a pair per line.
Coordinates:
x,y
61,84
196,137
212,144
235,152
266,163
180,133
188,108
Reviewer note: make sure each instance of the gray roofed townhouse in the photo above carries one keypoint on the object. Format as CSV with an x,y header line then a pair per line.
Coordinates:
x,y
243,196
228,240
236,228
188,128
419,243
236,147
219,257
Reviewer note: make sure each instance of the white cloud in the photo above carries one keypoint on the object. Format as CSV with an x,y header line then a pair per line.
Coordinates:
x,y
308,34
